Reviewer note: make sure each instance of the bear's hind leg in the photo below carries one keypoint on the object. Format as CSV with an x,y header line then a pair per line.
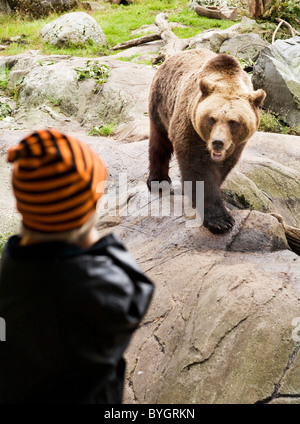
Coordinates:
x,y
160,152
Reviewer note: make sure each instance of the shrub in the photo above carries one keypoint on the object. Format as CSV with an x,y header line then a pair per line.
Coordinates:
x,y
103,130
287,10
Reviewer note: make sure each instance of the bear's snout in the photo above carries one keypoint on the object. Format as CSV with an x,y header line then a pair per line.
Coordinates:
x,y
218,145
218,150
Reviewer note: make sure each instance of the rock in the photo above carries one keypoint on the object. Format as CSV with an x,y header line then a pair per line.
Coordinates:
x,y
214,39
40,8
145,29
215,314
148,51
73,28
44,82
277,71
211,3
92,5
56,84
244,46
262,181
221,303
268,178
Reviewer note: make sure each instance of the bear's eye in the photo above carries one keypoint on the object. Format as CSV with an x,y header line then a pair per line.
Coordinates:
x,y
233,125
211,121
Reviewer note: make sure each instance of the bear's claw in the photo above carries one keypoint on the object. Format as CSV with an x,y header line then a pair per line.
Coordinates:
x,y
166,181
219,224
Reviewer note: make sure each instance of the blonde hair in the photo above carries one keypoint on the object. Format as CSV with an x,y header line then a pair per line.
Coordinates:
x,y
70,236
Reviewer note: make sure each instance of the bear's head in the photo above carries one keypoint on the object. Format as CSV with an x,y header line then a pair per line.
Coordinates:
x,y
225,118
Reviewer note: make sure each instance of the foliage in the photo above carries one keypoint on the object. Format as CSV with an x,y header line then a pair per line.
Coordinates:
x,y
4,72
5,110
246,64
287,10
271,122
95,70
103,130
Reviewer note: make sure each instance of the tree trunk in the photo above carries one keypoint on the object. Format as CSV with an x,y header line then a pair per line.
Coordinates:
x,y
258,7
4,6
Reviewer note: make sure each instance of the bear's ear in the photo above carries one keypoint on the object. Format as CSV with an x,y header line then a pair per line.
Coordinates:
x,y
206,87
258,97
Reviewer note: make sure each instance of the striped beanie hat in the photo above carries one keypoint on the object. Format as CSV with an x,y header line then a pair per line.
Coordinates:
x,y
55,181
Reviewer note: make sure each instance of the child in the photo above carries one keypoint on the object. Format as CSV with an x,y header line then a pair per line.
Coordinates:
x,y
69,300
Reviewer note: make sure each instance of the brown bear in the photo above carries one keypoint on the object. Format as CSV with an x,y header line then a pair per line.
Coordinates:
x,y
202,107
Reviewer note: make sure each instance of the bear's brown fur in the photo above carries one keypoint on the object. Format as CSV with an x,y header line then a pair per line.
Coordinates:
x,y
202,107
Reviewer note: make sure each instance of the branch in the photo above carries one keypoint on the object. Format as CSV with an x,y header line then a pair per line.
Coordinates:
x,y
162,23
281,21
173,44
137,41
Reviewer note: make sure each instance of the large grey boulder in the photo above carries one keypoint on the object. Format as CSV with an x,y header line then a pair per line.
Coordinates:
x,y
268,177
39,8
213,39
277,71
220,326
244,46
73,28
219,329
49,91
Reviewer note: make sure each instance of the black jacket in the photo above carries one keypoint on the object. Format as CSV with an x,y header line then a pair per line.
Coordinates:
x,y
69,315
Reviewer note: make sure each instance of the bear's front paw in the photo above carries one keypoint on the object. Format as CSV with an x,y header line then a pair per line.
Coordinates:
x,y
218,222
157,184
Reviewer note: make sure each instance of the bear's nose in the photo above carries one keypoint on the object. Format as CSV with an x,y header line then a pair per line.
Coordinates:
x,y
218,145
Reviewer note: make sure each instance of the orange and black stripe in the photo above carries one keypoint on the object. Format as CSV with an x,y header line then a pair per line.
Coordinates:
x,y
55,181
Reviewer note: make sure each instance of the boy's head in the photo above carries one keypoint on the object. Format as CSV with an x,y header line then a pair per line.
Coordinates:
x,y
57,181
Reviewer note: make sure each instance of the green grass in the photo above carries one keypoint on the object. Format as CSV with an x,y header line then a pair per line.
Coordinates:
x,y
5,110
4,72
103,130
116,21
270,122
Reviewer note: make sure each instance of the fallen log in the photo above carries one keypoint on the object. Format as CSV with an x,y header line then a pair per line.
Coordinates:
x,y
214,12
173,44
137,41
292,234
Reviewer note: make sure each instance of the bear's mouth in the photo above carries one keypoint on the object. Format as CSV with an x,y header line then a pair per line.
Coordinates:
x,y
217,155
